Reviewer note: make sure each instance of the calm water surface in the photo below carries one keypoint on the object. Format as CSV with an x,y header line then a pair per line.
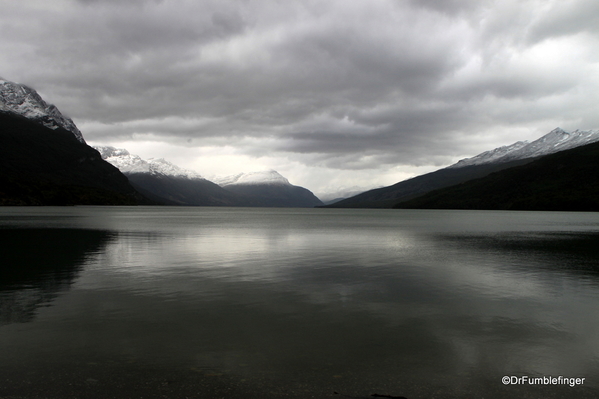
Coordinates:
x,y
155,302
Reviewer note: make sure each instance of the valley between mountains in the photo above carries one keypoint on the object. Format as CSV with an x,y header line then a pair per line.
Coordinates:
x,y
44,160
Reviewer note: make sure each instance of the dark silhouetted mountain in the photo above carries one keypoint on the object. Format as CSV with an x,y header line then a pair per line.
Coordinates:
x,y
479,166
563,181
172,190
340,194
44,166
269,189
386,197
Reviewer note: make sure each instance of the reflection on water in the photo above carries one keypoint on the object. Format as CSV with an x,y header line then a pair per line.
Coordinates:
x,y
203,302
577,252
40,263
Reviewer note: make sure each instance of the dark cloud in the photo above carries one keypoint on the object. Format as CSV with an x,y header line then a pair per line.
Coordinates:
x,y
339,84
451,7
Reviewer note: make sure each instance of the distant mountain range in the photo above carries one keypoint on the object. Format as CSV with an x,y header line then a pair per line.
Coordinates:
x,y
164,182
131,164
482,165
44,160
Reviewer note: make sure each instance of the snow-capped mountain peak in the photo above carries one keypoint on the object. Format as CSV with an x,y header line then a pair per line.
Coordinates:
x,y
123,160
164,167
129,164
490,156
554,141
270,177
23,100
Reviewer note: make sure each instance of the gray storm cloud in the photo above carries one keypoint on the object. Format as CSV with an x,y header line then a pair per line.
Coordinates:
x,y
388,82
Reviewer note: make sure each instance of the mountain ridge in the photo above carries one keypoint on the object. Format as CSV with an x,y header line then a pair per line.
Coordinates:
x,y
44,159
42,166
163,181
552,142
562,181
166,181
23,100
129,163
478,166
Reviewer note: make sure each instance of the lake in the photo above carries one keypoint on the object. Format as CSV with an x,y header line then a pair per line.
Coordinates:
x,y
176,302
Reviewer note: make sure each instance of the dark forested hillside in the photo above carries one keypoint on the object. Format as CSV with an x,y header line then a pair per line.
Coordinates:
x,y
275,195
42,166
386,197
172,190
565,181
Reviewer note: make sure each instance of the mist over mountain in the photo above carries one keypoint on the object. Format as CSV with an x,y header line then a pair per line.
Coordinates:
x,y
167,183
269,188
163,181
341,194
268,177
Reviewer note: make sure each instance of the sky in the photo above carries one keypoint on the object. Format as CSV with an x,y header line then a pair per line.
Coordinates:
x,y
332,94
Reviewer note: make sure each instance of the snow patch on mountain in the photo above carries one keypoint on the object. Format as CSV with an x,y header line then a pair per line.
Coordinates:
x,y
129,164
490,156
23,100
270,177
554,141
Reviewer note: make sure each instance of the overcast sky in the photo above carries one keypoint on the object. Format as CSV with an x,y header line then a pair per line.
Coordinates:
x,y
330,93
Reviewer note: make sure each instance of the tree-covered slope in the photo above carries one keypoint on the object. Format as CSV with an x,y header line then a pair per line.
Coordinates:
x,y
42,166
173,190
386,197
565,181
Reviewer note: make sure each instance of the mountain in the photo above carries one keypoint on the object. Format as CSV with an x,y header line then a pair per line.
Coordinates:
x,y
269,189
128,163
479,166
162,181
22,100
50,166
169,184
332,197
44,159
563,181
270,177
386,197
555,141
